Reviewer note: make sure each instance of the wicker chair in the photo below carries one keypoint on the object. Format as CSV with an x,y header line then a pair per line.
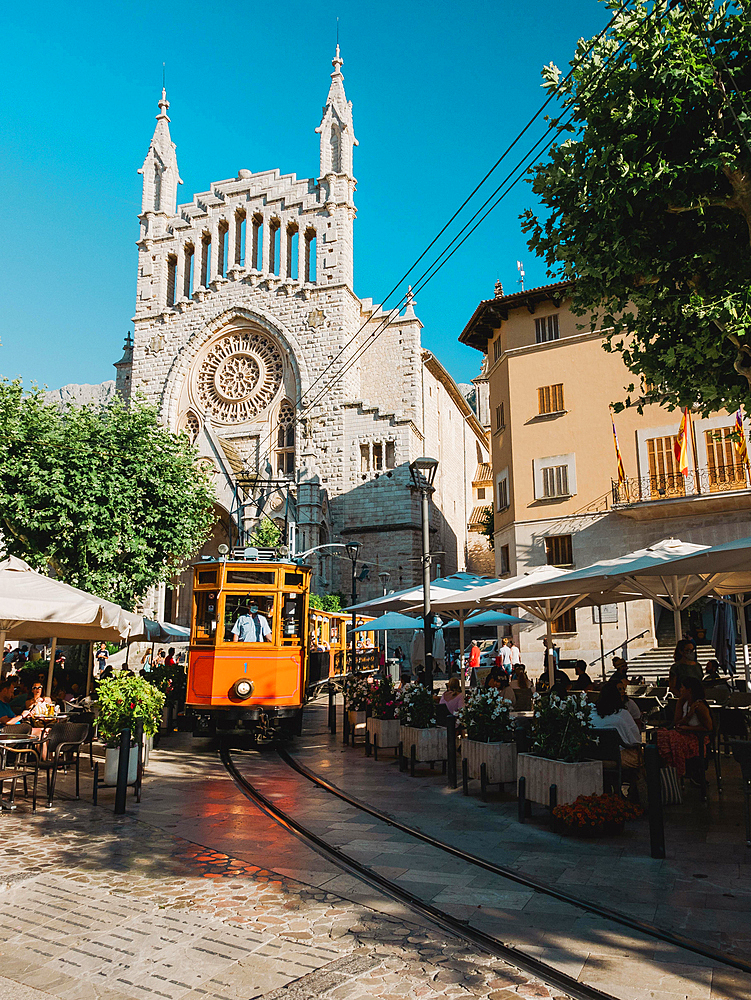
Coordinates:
x,y
63,745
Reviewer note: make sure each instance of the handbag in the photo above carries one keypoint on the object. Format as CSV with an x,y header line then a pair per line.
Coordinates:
x,y
670,789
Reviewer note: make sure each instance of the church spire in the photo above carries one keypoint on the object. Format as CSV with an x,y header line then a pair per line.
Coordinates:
x,y
336,130
160,173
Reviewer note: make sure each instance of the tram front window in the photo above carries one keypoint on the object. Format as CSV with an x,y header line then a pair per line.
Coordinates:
x,y
292,610
248,618
205,624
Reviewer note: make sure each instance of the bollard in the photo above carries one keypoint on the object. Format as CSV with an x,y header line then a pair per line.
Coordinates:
x,y
522,798
484,781
95,790
451,750
465,776
553,804
139,769
332,709
345,725
654,801
121,790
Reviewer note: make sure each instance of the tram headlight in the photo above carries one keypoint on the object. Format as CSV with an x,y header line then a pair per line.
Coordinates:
x,y
243,688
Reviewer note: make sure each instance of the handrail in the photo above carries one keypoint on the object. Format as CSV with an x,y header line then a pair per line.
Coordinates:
x,y
619,646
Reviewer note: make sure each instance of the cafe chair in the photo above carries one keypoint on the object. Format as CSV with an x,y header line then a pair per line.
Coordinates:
x,y
742,753
88,719
607,748
63,746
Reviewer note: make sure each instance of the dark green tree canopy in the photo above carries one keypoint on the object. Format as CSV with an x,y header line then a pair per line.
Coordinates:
x,y
108,498
649,196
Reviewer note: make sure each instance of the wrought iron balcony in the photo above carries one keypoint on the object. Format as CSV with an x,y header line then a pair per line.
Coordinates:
x,y
673,486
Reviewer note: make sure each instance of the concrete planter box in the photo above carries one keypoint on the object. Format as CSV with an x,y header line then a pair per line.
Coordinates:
x,y
498,758
384,732
356,718
571,780
112,762
429,744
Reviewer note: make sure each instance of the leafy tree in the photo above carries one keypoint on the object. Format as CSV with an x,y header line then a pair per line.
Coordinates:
x,y
488,526
107,498
266,535
326,602
649,196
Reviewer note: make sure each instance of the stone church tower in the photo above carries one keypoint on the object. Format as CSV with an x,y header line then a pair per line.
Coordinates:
x,y
249,337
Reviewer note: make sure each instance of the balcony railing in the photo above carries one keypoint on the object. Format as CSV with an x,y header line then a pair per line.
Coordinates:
x,y
701,482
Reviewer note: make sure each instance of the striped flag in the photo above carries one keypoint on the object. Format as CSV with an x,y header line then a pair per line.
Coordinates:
x,y
741,448
680,446
618,456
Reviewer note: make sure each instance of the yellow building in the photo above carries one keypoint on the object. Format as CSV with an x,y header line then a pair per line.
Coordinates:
x,y
557,498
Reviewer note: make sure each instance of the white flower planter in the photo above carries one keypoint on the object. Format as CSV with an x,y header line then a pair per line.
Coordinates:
x,y
429,744
112,761
571,780
498,758
384,732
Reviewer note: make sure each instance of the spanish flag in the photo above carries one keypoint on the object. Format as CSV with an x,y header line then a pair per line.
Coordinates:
x,y
618,456
741,448
680,446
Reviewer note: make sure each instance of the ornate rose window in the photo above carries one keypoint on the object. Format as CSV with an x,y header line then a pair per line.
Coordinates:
x,y
239,376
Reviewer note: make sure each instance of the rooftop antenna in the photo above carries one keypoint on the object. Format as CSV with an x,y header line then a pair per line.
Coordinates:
x,y
337,32
521,273
164,76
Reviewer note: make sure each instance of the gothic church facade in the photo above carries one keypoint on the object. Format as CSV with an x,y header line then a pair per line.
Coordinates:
x,y
249,337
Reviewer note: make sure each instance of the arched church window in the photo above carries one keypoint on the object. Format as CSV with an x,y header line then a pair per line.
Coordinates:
x,y
240,236
274,245
257,261
285,440
292,250
310,255
205,259
192,426
171,278
336,150
157,188
188,271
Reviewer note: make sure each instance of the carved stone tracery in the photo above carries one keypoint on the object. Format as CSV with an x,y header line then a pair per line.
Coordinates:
x,y
239,376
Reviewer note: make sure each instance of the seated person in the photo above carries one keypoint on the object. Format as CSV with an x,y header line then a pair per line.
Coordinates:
x,y
685,664
679,746
562,684
582,682
7,688
18,702
716,687
620,669
452,697
520,681
497,677
251,625
610,713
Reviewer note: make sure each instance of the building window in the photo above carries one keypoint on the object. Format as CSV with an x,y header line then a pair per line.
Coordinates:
x,y
335,140
550,398
390,455
554,476
285,440
257,250
310,255
188,272
377,457
274,245
374,454
192,426
480,492
566,622
222,248
505,561
292,250
205,259
171,278
558,550
725,472
502,491
546,328
364,458
500,417
240,237
664,477
497,349
555,481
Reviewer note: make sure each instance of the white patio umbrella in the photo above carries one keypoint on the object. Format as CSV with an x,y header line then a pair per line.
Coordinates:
x,y
33,606
652,573
411,597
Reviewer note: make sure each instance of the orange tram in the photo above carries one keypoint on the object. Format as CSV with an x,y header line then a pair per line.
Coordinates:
x,y
257,649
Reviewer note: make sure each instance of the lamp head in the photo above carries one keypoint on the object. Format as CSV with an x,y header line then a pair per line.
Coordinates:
x,y
384,577
353,549
423,471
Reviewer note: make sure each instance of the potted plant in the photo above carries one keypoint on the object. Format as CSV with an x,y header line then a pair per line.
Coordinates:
x,y
383,725
356,699
123,700
595,815
490,742
418,735
561,730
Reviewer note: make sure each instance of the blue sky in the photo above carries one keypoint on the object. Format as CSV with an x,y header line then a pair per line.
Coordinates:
x,y
438,91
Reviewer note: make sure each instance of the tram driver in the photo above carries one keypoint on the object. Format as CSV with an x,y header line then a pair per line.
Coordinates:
x,y
251,625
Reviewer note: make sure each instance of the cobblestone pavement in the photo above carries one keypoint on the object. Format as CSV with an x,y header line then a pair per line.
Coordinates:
x,y
98,907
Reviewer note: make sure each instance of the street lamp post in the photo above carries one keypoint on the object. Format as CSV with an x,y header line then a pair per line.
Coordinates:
x,y
353,548
423,472
384,577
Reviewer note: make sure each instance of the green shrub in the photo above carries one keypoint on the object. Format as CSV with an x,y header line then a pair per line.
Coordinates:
x,y
123,699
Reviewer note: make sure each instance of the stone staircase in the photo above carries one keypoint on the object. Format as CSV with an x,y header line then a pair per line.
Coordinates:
x,y
654,663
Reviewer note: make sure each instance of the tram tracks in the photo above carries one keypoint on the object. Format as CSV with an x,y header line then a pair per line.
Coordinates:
x,y
452,925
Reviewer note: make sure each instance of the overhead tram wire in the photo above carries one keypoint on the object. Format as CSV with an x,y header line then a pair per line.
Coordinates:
x,y
388,319
437,264
471,195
